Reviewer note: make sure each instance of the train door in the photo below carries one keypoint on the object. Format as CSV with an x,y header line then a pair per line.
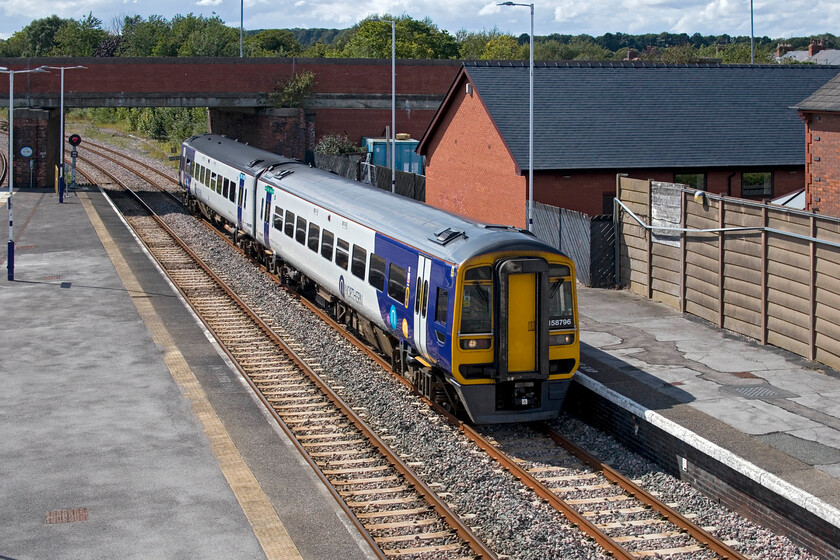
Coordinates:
x,y
265,215
523,334
421,304
240,200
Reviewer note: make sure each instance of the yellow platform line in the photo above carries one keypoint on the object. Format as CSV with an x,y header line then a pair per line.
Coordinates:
x,y
267,526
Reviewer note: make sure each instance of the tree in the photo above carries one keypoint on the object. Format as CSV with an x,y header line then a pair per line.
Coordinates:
x,y
371,38
273,42
471,44
36,39
79,38
141,38
503,47
211,38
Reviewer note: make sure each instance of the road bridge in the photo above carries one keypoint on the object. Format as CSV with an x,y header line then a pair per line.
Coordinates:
x,y
351,96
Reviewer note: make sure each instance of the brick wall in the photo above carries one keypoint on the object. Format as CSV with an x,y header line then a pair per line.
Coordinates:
x,y
822,162
31,130
469,170
289,132
206,76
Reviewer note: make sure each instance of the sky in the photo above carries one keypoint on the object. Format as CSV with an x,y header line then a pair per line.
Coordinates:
x,y
773,18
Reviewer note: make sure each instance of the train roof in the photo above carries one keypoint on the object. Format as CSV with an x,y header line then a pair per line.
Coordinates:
x,y
433,231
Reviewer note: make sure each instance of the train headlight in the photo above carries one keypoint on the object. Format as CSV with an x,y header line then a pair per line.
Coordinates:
x,y
475,343
561,339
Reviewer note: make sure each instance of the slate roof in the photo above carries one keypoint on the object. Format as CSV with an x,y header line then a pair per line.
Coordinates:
x,y
615,115
827,98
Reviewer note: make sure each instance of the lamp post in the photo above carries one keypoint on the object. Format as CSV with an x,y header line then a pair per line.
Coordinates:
x,y
241,26
61,129
10,263
392,140
530,120
752,35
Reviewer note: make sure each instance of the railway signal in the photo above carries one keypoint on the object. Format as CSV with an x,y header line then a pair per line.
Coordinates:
x,y
74,141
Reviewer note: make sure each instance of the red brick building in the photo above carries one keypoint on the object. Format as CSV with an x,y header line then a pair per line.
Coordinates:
x,y
722,128
821,113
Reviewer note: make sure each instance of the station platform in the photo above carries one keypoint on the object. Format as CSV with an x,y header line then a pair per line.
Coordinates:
x,y
124,433
758,412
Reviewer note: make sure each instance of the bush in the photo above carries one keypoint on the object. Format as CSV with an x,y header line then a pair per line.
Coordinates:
x,y
336,144
295,92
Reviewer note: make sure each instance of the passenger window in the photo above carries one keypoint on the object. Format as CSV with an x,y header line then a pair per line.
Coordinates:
x,y
301,230
397,287
314,236
327,245
232,192
561,312
476,314
290,223
225,187
441,306
342,254
359,262
376,272
278,219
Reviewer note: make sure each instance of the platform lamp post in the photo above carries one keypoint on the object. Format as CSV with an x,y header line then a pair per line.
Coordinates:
x,y
10,262
61,128
392,139
530,121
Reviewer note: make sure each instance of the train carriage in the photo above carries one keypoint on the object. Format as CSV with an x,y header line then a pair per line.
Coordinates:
x,y
479,317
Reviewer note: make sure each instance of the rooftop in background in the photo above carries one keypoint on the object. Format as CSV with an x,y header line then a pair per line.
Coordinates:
x,y
631,115
816,54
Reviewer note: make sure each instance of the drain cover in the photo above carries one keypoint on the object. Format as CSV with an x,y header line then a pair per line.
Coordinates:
x,y
67,515
758,391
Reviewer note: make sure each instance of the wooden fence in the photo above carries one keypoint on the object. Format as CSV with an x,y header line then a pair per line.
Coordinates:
x,y
760,270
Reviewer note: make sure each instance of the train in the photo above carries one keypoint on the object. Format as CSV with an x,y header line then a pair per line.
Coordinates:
x,y
480,318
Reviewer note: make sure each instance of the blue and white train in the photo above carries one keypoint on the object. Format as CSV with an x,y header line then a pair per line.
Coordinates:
x,y
482,318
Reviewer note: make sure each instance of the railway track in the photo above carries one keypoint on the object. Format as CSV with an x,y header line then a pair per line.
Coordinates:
x,y
628,523
397,512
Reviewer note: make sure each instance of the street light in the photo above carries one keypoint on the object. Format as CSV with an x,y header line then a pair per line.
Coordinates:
x,y
752,35
10,264
61,129
392,140
530,121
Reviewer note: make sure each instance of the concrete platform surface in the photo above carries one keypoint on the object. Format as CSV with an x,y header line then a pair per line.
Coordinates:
x,y
123,432
768,413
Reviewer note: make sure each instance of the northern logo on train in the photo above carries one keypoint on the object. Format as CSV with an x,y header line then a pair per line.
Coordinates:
x,y
341,285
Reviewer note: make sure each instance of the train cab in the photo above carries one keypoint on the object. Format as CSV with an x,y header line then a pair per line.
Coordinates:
x,y
515,335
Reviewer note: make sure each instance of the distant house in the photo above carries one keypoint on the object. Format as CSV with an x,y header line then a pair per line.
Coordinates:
x,y
821,113
723,128
816,54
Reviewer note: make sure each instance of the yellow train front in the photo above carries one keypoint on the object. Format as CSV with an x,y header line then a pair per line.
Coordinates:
x,y
515,340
